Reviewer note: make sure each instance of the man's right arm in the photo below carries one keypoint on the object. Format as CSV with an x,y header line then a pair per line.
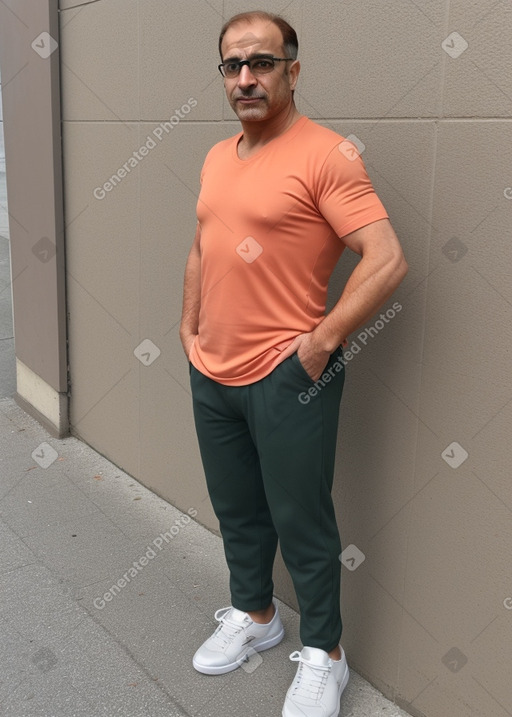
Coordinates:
x,y
191,295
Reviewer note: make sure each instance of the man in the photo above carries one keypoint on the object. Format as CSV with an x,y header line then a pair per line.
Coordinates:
x,y
279,202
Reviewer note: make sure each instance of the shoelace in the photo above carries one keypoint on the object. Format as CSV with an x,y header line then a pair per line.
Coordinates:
x,y
310,686
227,630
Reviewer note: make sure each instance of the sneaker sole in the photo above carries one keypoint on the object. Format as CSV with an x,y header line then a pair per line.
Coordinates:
x,y
256,646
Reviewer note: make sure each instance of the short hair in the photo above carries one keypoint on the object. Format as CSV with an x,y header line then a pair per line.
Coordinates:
x,y
290,41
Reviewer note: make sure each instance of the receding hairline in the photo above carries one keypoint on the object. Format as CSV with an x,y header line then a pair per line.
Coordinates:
x,y
290,45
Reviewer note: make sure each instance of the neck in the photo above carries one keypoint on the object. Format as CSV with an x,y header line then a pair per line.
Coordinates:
x,y
256,134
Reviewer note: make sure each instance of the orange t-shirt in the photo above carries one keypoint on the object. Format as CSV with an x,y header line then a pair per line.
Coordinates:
x,y
270,239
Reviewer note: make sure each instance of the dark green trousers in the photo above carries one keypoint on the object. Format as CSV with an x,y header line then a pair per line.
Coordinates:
x,y
268,453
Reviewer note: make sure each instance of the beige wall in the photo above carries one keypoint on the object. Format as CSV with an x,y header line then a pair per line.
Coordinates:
x,y
437,129
32,112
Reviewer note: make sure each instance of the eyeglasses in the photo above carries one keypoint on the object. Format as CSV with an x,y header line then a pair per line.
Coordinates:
x,y
259,65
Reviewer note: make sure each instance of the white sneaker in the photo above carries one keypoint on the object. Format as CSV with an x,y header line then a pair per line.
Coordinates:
x,y
318,684
234,638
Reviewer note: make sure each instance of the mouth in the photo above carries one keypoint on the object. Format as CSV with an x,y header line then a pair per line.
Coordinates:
x,y
248,100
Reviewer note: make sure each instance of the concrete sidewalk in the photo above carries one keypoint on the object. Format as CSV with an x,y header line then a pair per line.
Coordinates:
x,y
73,643
69,532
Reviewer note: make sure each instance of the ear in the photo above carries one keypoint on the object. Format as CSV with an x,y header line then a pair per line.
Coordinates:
x,y
294,74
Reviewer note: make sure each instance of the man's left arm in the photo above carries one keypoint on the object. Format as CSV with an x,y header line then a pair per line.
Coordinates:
x,y
374,279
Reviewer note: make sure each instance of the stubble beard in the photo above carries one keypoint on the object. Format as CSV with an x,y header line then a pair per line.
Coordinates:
x,y
249,112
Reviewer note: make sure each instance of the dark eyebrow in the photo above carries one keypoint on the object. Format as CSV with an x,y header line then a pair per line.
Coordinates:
x,y
257,56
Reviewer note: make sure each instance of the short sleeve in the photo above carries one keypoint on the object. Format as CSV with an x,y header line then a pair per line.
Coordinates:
x,y
345,195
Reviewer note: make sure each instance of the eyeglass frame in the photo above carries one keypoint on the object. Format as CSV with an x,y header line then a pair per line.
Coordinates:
x,y
241,63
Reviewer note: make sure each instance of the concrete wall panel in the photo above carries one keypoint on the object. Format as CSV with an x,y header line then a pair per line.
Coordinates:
x,y
30,58
477,81
100,61
372,60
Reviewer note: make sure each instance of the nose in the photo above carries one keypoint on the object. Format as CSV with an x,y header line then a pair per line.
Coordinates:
x,y
246,79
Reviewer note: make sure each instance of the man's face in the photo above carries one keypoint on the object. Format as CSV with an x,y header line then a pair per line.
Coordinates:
x,y
257,98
